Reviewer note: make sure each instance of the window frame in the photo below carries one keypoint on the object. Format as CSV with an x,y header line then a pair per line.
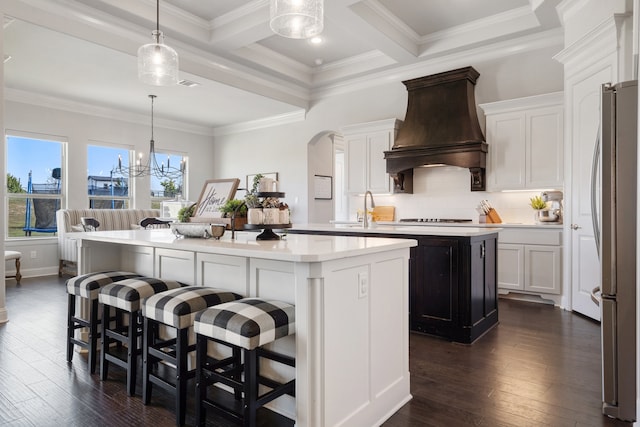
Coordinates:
x,y
129,200
61,197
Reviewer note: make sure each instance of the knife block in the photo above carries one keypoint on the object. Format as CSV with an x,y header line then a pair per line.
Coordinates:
x,y
492,217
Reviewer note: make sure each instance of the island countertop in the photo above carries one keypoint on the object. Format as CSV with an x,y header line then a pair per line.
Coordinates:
x,y
295,247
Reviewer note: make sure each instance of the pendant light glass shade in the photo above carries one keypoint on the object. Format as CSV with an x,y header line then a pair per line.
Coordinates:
x,y
157,62
297,19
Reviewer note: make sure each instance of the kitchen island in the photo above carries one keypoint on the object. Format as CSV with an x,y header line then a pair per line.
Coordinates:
x,y
452,275
351,297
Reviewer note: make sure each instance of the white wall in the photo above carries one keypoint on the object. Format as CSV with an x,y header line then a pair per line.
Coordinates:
x,y
443,191
80,130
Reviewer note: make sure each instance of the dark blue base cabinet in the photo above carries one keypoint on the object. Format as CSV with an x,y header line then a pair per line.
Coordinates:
x,y
453,292
452,283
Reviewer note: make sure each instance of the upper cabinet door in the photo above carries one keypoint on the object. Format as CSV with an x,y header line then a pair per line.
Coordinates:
x,y
506,162
544,148
366,166
356,163
378,143
525,138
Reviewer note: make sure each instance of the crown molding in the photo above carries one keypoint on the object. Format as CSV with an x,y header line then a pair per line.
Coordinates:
x,y
46,101
552,99
279,120
601,41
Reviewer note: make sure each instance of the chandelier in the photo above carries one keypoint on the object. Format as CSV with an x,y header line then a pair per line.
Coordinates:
x,y
152,168
157,62
297,19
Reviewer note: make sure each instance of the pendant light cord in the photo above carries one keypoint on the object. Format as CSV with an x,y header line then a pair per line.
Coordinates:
x,y
152,97
158,15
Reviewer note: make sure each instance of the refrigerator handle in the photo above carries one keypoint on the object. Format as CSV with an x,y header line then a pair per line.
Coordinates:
x,y
594,208
595,295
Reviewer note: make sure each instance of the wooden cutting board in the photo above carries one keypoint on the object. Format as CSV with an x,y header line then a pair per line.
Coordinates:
x,y
383,213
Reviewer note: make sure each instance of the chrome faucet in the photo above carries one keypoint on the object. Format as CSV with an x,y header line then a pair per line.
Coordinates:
x,y
365,222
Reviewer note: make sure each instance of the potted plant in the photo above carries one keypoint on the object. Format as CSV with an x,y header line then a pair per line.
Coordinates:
x,y
237,207
185,213
543,213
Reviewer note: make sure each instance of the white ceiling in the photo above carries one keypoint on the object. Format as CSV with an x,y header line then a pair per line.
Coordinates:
x,y
82,52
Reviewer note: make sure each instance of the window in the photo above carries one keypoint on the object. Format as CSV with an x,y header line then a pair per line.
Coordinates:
x,y
165,188
107,188
34,185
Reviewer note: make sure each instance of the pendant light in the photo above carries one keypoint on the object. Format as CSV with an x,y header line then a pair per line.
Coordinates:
x,y
151,167
297,19
157,62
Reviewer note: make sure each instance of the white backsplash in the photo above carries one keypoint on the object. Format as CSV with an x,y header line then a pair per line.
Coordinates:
x,y
443,192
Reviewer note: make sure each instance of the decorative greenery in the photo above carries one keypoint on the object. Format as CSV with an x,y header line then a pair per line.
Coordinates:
x,y
537,203
256,183
231,205
185,213
251,199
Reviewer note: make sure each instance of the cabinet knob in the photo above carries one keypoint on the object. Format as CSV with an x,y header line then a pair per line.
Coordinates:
x,y
575,226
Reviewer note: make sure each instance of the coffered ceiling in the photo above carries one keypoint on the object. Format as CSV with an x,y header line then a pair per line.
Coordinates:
x,y
83,52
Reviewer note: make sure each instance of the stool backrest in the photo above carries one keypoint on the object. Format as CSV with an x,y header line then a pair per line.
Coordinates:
x,y
89,223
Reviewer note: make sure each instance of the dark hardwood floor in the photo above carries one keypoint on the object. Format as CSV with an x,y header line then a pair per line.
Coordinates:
x,y
539,367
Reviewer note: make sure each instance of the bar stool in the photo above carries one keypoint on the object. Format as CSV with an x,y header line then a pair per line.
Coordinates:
x,y
175,308
247,325
125,297
88,286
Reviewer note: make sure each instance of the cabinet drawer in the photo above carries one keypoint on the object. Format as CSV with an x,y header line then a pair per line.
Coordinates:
x,y
531,237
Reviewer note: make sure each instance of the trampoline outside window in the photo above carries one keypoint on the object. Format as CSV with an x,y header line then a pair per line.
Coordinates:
x,y
34,186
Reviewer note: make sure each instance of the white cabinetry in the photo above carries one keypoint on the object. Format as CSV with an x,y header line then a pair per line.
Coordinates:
x,y
365,146
530,261
525,138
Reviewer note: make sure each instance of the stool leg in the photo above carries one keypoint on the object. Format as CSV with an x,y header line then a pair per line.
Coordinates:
x,y
104,363
250,387
71,311
182,349
237,363
132,351
147,340
93,335
201,384
18,275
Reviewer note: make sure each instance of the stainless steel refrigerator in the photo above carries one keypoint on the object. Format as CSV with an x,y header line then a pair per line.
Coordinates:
x,y
616,240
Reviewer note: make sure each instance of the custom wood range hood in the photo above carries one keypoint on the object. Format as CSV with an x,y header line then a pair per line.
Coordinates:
x,y
440,127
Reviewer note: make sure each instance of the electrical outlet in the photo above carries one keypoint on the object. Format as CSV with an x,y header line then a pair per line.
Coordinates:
x,y
34,254
363,285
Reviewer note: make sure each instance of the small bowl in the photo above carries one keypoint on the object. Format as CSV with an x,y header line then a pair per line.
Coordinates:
x,y
217,231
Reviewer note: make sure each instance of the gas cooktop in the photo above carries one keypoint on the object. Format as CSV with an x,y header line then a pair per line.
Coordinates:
x,y
434,220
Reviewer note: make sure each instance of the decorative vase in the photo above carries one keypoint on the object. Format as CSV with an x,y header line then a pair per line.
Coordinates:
x,y
255,216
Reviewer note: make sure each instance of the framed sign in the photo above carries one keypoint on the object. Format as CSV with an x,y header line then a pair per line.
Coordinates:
x,y
322,187
215,193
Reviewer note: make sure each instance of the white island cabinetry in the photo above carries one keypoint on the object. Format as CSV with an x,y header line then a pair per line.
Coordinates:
x,y
525,138
352,308
365,146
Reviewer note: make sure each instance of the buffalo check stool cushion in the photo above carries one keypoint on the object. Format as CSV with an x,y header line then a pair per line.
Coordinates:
x,y
248,323
127,294
88,285
177,307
